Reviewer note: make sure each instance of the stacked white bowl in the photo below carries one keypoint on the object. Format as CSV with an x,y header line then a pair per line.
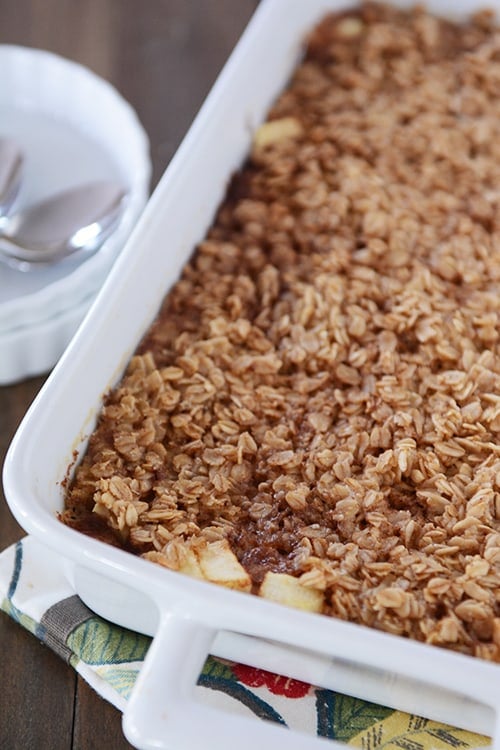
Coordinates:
x,y
73,127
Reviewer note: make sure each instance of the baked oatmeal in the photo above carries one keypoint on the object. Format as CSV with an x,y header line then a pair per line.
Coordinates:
x,y
315,414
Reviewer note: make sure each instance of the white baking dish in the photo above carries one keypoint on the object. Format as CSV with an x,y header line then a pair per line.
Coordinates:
x,y
190,618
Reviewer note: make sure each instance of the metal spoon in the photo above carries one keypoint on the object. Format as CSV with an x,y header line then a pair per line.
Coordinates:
x,y
11,161
73,221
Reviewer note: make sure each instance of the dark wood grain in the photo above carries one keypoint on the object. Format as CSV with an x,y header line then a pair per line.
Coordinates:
x,y
163,56
36,695
89,734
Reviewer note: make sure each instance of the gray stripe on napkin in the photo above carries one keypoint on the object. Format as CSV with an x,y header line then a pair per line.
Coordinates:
x,y
59,621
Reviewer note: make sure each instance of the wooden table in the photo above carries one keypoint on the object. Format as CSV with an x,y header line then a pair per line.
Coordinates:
x,y
163,56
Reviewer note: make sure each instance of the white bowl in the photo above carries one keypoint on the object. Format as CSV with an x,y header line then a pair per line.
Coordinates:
x,y
73,127
32,350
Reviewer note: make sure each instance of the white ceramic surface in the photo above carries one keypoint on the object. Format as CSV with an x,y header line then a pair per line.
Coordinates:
x,y
73,127
34,349
186,615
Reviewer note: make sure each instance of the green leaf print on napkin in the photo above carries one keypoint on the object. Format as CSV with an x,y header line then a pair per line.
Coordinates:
x,y
215,668
342,717
98,642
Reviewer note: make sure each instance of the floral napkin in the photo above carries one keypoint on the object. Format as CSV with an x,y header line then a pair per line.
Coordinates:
x,y
35,593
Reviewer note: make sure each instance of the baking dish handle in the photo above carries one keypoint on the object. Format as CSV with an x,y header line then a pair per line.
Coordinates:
x,y
163,714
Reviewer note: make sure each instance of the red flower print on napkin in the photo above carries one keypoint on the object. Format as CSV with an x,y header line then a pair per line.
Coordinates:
x,y
276,684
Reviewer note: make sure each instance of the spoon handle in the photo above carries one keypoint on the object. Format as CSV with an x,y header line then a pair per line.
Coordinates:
x,y
11,161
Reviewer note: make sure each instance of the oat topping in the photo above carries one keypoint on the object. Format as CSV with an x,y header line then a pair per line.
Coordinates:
x,y
315,413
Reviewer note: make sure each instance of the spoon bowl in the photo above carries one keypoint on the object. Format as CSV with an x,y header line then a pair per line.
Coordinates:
x,y
75,221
